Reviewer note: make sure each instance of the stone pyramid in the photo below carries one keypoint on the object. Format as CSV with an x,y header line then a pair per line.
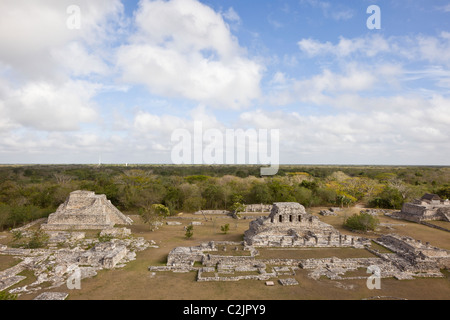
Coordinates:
x,y
85,210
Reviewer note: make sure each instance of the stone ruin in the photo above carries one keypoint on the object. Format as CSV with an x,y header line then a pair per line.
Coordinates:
x,y
85,210
409,259
68,250
414,256
54,265
330,212
288,225
429,207
258,207
212,266
249,208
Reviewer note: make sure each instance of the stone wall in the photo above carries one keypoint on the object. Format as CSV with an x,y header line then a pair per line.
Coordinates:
x,y
415,255
213,212
258,207
424,210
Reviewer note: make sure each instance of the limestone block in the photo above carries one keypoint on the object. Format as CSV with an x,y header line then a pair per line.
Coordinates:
x,y
8,282
111,259
52,296
116,232
173,223
288,282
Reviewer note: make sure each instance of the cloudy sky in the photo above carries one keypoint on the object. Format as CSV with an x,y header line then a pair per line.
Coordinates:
x,y
81,79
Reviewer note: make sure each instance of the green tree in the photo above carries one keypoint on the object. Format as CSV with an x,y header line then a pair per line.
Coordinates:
x,y
389,198
444,192
212,195
361,221
303,195
189,231
161,210
173,198
312,185
154,214
196,178
281,191
260,193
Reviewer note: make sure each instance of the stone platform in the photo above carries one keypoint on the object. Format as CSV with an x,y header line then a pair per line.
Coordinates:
x,y
84,210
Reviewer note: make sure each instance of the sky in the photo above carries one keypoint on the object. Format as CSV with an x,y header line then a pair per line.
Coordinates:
x,y
114,81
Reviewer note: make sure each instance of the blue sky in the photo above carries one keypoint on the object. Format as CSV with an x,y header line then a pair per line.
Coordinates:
x,y
133,72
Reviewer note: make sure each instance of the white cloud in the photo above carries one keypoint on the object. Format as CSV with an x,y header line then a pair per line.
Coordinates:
x,y
46,106
86,63
345,14
232,15
445,8
185,49
41,59
395,132
337,12
434,49
321,89
369,46
31,30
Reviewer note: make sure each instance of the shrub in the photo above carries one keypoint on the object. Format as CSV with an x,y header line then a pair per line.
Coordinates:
x,y
361,221
225,228
38,239
189,231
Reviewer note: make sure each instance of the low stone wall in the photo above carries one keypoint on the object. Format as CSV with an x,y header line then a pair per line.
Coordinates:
x,y
258,208
434,226
66,227
212,260
318,241
262,277
213,212
29,225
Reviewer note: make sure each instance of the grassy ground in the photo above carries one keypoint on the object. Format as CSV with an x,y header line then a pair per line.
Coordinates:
x,y
134,281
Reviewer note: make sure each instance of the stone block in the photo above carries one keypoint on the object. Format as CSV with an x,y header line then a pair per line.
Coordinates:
x,y
52,296
288,282
173,223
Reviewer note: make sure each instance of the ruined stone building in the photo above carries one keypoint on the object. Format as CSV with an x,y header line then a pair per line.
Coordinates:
x,y
85,210
288,225
429,207
415,255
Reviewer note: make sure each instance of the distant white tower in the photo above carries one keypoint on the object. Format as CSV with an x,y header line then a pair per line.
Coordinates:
x,y
99,160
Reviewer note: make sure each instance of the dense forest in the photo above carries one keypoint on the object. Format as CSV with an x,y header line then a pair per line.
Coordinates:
x,y
34,191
